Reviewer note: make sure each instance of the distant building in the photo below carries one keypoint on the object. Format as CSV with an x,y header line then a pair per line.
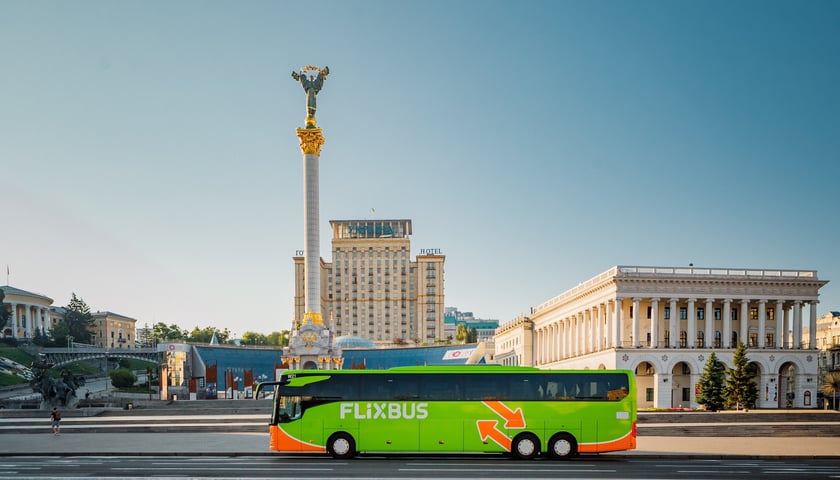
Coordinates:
x,y
485,329
664,322
112,330
373,289
828,340
31,313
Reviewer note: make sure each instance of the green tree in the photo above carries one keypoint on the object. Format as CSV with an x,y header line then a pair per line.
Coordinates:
x,y
461,333
254,339
5,311
79,320
280,339
711,384
172,333
205,335
60,331
122,378
472,335
831,385
740,390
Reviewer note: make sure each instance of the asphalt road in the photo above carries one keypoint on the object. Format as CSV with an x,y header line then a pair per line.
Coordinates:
x,y
409,467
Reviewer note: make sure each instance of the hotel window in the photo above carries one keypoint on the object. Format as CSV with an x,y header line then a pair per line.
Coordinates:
x,y
683,339
753,313
753,340
683,313
771,314
648,394
648,312
733,315
667,313
717,314
769,340
701,313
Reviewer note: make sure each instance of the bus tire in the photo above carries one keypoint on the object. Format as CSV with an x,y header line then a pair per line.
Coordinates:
x,y
341,446
562,446
525,446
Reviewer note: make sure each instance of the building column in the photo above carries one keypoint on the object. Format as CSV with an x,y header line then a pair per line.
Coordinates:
x,y
797,324
779,338
30,309
726,334
709,340
14,320
587,330
761,323
617,323
812,329
745,316
599,325
673,324
636,306
580,334
692,325
654,323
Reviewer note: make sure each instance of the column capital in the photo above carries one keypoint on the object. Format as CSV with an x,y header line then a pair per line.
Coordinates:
x,y
691,300
745,301
710,300
311,140
655,299
727,300
762,302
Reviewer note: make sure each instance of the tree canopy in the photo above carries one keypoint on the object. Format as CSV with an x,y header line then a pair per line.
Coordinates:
x,y
740,390
5,311
711,384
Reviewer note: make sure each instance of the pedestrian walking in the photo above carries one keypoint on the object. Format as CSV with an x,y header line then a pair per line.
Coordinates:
x,y
55,419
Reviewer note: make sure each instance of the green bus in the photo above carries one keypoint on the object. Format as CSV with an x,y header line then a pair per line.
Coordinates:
x,y
521,410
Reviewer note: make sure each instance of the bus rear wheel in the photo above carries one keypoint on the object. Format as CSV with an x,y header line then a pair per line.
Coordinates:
x,y
341,445
562,446
525,446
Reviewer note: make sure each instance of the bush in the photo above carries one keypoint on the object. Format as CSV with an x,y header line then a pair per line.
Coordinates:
x,y
122,378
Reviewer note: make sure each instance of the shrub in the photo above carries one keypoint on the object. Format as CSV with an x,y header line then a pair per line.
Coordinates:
x,y
122,378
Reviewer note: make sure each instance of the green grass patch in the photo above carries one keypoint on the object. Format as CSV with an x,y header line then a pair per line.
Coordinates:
x,y
7,380
17,355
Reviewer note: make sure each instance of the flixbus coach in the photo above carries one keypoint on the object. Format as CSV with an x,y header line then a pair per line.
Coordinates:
x,y
521,410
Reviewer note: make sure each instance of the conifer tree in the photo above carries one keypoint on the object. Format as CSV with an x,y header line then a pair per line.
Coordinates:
x,y
740,390
711,384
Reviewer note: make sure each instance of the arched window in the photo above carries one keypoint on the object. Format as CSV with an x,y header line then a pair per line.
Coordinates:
x,y
683,339
717,338
701,339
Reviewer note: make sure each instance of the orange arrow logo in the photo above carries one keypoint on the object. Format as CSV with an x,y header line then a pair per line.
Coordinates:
x,y
513,419
487,429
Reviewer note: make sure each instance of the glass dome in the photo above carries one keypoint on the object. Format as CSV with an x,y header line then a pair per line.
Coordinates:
x,y
350,341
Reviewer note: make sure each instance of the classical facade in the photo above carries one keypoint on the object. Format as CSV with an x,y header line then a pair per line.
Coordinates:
x,y
663,322
112,330
31,312
373,289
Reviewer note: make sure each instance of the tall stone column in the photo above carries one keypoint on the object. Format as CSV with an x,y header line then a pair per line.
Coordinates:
x,y
636,306
691,341
654,323
727,323
812,326
761,323
779,337
709,315
311,140
617,323
797,324
673,324
745,318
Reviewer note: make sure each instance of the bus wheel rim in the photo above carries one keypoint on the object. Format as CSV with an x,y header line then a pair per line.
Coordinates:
x,y
525,447
341,446
562,447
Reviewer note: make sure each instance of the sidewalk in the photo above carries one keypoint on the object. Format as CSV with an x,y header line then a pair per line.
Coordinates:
x,y
250,444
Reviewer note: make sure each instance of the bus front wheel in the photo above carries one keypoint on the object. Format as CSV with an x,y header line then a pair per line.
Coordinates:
x,y
342,446
562,446
525,446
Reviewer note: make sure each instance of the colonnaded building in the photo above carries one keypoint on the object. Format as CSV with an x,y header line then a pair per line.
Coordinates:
x,y
373,289
664,322
33,313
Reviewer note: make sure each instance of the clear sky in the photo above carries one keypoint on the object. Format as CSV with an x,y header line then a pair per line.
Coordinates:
x,y
149,162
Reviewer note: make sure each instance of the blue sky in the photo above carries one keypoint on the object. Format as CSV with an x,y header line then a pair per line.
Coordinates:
x,y
149,160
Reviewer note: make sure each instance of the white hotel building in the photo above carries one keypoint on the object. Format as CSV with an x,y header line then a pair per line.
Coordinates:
x,y
663,322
